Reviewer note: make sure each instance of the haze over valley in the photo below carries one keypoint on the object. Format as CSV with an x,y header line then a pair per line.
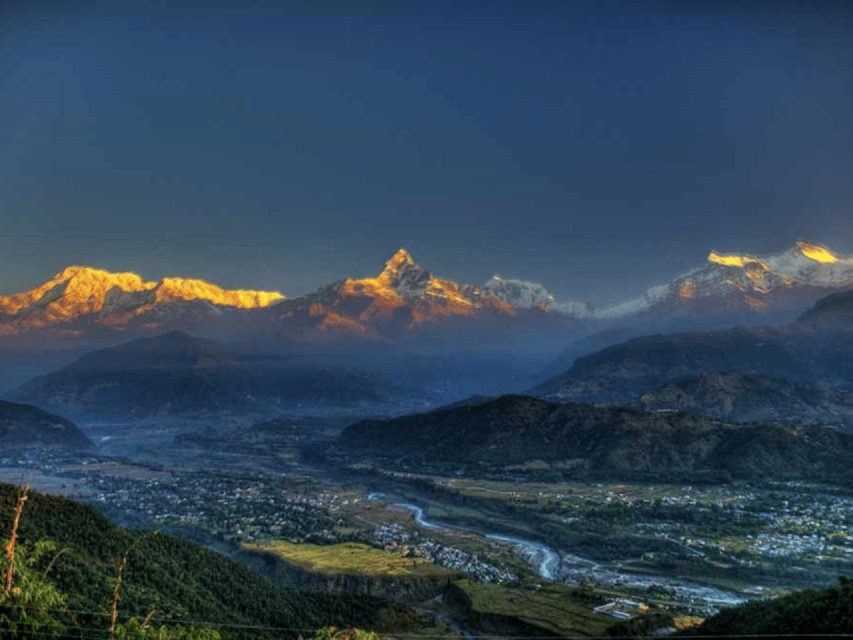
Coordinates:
x,y
374,321
496,433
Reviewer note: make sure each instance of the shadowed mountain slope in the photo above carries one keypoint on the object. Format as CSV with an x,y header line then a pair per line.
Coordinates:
x,y
179,375
22,425
749,397
583,441
815,349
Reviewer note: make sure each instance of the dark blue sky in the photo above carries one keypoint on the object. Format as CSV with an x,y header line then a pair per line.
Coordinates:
x,y
596,147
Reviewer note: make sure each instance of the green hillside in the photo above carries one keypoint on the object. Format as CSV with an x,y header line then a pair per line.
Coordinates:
x,y
182,582
825,612
520,434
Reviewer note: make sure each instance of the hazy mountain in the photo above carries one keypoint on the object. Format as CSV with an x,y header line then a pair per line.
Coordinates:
x,y
623,371
815,349
749,397
520,433
521,294
179,375
81,300
834,312
22,425
740,288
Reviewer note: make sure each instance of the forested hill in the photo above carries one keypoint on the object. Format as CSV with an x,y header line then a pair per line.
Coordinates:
x,y
182,582
519,434
810,613
22,425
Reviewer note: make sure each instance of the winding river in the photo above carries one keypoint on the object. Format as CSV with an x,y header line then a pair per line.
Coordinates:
x,y
543,557
547,564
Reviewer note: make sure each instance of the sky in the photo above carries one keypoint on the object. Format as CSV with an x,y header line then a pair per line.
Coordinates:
x,y
595,147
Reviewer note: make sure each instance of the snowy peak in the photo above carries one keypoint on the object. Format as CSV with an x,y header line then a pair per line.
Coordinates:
x,y
400,259
73,290
170,289
787,282
521,294
112,299
815,252
805,263
404,275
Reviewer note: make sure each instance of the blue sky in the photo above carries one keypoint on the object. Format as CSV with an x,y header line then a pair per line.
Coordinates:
x,y
596,147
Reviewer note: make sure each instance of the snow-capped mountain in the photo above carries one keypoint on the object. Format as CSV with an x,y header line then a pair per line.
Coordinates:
x,y
405,299
521,294
81,298
733,283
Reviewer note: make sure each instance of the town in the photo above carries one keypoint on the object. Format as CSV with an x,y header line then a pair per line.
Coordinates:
x,y
631,540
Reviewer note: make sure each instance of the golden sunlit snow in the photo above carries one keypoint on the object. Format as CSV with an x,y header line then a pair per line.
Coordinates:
x,y
816,252
77,291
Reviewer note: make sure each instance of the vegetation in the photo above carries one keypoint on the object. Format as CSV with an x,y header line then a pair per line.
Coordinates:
x,y
167,584
551,609
348,558
521,437
333,633
31,605
813,611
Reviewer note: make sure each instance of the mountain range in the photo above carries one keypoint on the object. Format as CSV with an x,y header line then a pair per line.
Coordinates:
x,y
802,371
80,300
178,375
530,437
407,302
742,286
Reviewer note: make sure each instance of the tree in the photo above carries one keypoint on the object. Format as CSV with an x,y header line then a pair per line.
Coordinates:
x,y
133,629
33,606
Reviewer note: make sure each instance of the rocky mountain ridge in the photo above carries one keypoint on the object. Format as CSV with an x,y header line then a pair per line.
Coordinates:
x,y
405,299
78,298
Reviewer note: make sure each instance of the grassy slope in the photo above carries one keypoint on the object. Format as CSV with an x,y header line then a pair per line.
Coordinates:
x,y
349,558
550,608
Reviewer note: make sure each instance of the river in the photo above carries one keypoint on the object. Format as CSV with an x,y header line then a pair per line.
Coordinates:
x,y
542,557
547,563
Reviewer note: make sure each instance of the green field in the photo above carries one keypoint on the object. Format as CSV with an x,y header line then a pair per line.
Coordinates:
x,y
348,558
550,607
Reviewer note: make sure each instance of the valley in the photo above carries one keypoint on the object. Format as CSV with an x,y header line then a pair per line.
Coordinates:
x,y
358,443
687,549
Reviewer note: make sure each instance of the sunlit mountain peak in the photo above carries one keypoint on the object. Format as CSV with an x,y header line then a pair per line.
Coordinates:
x,y
112,298
187,289
733,260
82,278
399,259
74,290
816,252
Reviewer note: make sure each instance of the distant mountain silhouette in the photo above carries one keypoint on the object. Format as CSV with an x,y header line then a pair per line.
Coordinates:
x,y
817,348
180,375
749,397
22,425
521,434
